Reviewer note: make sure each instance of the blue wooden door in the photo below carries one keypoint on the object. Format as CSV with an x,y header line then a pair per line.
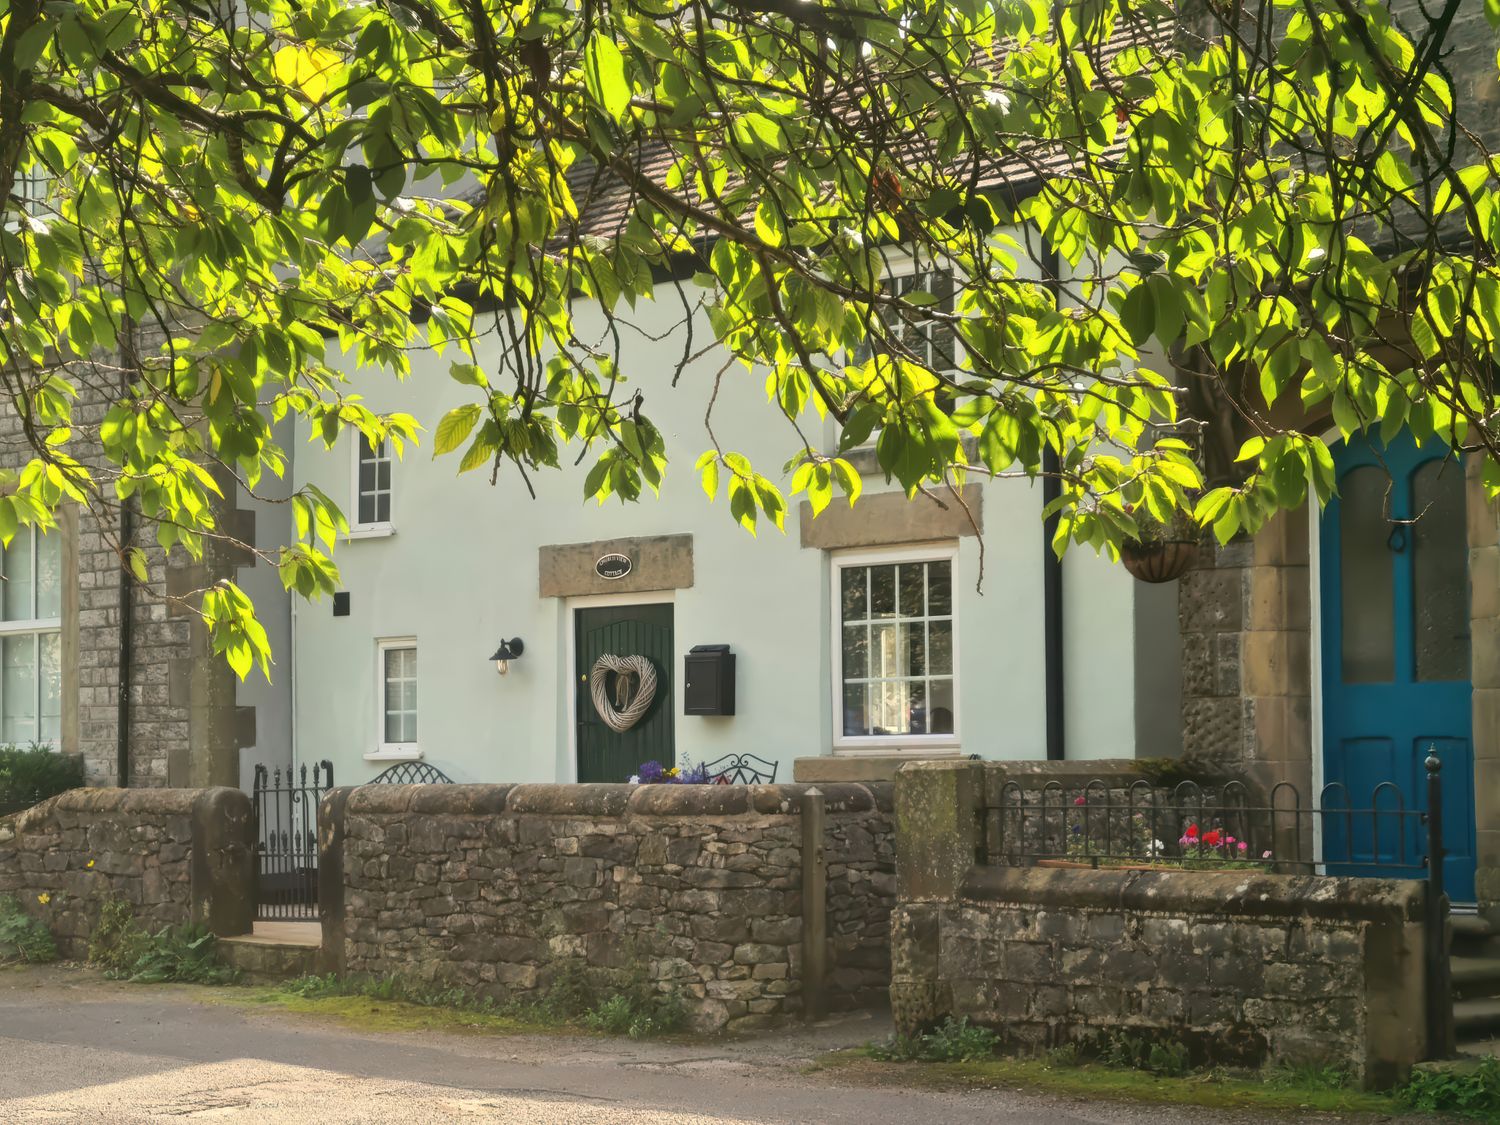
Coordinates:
x,y
1396,681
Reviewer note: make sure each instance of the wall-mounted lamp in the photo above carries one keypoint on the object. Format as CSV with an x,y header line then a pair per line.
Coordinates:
x,y
508,651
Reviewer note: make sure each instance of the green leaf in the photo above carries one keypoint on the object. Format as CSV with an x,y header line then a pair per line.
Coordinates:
x,y
454,428
604,75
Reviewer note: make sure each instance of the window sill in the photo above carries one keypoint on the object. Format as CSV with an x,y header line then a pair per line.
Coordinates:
x,y
394,754
898,748
371,531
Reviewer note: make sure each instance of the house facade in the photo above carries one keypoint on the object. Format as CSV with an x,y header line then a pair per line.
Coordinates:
x,y
898,628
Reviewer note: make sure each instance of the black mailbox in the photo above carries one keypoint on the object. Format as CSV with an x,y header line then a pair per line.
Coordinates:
x,y
708,681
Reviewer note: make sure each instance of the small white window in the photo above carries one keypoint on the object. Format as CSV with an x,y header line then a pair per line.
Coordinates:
x,y
31,639
372,488
931,341
895,651
396,716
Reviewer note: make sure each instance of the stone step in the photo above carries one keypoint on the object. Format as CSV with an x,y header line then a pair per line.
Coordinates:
x,y
1476,1019
1473,936
274,951
1474,976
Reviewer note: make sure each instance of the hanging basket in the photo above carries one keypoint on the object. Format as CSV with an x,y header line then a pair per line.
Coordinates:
x,y
1161,561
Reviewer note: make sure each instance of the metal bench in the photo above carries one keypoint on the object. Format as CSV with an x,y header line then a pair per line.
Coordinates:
x,y
741,769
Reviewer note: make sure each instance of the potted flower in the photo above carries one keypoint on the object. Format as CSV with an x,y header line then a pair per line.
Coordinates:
x,y
1162,552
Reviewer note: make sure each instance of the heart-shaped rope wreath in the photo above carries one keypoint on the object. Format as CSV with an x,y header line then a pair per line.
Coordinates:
x,y
627,708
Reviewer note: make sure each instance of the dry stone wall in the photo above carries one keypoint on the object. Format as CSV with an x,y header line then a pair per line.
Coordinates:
x,y
1237,969
496,888
176,855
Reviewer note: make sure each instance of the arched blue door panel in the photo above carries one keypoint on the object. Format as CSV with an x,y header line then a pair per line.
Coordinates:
x,y
1396,680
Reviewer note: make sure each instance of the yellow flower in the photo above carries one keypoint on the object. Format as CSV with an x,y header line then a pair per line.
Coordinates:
x,y
672,772
90,863
44,898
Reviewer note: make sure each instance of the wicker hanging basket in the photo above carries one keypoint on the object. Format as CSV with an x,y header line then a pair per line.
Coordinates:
x,y
1162,561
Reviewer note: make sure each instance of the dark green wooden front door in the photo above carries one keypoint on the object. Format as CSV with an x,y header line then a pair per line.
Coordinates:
x,y
624,630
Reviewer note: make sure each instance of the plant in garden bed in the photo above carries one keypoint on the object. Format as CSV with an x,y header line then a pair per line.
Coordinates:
x,y
30,774
654,773
1215,848
1466,1090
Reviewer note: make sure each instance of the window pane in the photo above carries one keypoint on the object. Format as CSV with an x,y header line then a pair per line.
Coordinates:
x,y
941,694
382,507
18,689
940,588
917,714
854,710
366,509
1440,572
383,475
940,647
49,575
915,639
367,476
888,707
1368,643
17,570
51,675
909,585
855,580
856,651
882,591
885,651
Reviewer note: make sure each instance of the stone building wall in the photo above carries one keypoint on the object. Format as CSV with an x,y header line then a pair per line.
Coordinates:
x,y
1245,615
184,729
1238,969
496,887
176,855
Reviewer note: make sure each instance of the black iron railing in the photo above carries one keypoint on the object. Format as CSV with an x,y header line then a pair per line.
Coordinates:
x,y
286,851
1238,828
411,773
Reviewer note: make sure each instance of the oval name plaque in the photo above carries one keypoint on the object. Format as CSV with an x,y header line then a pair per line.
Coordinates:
x,y
611,567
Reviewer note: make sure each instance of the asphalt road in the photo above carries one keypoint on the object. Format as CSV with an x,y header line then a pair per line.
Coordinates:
x,y
77,1048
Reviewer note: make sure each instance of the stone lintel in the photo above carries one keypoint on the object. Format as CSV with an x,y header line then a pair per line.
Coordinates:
x,y
883,519
657,562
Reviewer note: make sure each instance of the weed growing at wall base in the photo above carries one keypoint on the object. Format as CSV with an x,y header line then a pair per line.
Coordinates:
x,y
22,937
1468,1091
575,998
127,951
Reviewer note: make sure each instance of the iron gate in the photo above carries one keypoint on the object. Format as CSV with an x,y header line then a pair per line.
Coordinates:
x,y
286,848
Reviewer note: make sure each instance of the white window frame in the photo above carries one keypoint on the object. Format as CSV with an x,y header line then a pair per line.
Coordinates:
x,y
901,264
874,745
378,528
36,627
391,751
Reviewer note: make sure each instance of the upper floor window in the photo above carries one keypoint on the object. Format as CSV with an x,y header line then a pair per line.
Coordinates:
x,y
372,487
31,639
895,667
930,340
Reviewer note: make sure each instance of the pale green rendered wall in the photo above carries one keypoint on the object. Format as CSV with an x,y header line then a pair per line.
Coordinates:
x,y
461,572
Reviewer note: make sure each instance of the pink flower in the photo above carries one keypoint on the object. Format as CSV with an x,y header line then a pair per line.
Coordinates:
x,y
1080,800
1243,845
1265,854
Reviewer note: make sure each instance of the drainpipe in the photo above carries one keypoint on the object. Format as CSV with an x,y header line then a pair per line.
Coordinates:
x,y
127,612
1052,573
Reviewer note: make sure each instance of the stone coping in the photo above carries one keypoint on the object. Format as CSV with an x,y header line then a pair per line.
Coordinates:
x,y
613,800
169,801
1218,893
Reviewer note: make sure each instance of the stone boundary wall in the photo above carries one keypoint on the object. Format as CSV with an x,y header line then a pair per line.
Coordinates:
x,y
496,887
176,855
1241,967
